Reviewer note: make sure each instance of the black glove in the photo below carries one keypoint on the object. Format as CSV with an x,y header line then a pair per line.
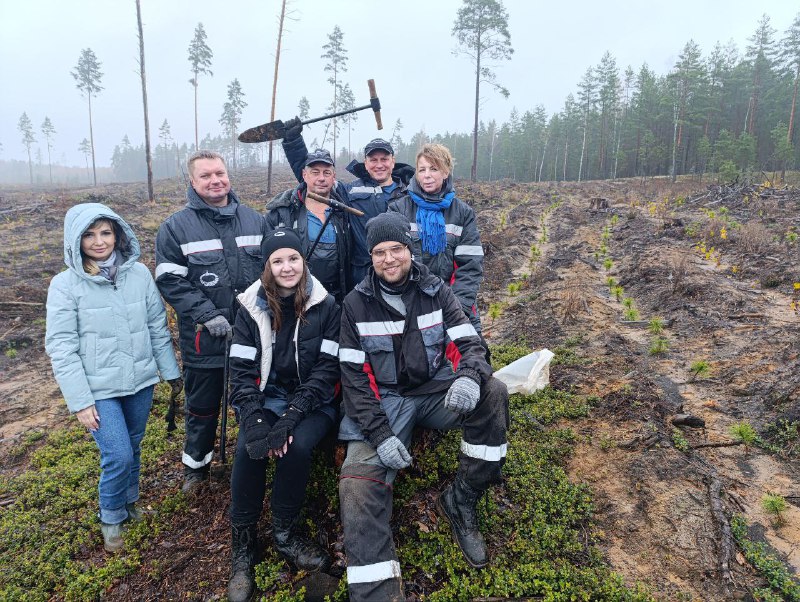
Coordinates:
x,y
279,434
176,386
293,127
256,429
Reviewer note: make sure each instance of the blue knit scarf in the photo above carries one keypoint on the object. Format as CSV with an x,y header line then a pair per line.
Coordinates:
x,y
430,221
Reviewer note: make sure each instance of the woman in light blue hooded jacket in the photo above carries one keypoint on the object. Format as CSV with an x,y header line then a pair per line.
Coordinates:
x,y
108,342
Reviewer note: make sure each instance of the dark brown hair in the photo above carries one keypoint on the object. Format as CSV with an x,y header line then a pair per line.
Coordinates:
x,y
274,299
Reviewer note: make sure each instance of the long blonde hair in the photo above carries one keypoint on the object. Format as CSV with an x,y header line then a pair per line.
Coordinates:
x,y
90,265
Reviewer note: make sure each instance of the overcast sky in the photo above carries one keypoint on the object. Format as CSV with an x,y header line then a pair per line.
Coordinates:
x,y
406,46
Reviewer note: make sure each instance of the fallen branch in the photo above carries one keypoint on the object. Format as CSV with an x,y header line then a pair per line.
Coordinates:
x,y
717,444
21,303
726,537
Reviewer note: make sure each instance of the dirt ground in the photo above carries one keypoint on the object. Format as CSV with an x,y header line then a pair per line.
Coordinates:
x,y
661,512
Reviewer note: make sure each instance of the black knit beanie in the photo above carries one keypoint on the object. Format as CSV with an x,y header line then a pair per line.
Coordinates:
x,y
283,238
388,226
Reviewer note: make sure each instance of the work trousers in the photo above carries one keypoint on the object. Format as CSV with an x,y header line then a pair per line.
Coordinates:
x,y
365,485
248,482
203,388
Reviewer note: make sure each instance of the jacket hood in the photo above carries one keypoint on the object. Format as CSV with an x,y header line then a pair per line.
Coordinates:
x,y
427,282
296,196
402,172
193,201
447,186
78,219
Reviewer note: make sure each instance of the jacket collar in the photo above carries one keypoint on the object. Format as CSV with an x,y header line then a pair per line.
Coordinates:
x,y
426,282
193,201
401,174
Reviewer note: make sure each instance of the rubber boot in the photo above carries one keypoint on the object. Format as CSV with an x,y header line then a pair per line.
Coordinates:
x,y
112,537
295,548
458,504
243,558
193,479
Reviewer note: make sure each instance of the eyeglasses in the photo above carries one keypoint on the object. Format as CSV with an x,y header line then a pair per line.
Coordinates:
x,y
396,251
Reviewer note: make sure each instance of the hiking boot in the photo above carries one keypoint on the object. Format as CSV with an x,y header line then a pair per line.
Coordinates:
x,y
112,537
300,551
192,480
458,504
242,583
134,514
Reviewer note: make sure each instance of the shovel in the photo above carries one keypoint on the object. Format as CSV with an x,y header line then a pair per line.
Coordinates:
x,y
276,130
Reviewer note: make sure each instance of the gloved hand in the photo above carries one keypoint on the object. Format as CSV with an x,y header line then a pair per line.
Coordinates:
x,y
293,127
218,326
279,434
463,395
394,454
176,386
256,429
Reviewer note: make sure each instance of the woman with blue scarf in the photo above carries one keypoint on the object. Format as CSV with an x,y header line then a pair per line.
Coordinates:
x,y
445,234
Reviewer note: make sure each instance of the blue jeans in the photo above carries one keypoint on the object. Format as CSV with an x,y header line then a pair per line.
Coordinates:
x,y
119,438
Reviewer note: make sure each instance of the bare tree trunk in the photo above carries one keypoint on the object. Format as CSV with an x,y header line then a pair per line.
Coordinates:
x,y
674,139
196,138
583,147
49,163
91,140
274,92
566,154
148,158
544,154
473,176
794,104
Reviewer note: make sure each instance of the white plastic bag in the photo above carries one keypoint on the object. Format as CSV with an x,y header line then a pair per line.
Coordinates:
x,y
527,374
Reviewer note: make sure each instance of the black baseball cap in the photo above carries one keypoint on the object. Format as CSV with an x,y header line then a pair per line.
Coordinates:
x,y
378,144
319,156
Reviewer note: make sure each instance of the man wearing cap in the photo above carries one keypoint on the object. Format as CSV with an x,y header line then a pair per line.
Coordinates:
x,y
319,226
380,180
410,356
206,254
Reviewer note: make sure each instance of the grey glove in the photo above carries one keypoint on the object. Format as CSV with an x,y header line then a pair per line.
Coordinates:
x,y
293,127
394,454
218,326
463,395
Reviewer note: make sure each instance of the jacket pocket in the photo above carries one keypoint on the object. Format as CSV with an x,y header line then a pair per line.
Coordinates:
x,y
380,355
252,264
433,340
208,270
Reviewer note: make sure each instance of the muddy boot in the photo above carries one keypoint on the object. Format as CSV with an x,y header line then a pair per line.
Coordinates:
x,y
134,513
458,504
243,557
112,537
298,550
193,479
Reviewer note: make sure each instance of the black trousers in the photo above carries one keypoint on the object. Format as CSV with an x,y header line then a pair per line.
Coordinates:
x,y
203,389
248,482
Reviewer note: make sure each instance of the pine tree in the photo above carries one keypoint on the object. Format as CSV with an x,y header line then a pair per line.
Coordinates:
x,y
48,131
790,53
761,57
481,28
303,107
85,147
88,76
232,114
336,55
200,59
25,128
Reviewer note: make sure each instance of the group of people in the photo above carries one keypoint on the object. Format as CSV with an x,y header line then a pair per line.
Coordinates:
x,y
363,327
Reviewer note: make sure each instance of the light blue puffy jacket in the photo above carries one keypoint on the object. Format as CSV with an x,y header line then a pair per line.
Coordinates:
x,y
105,339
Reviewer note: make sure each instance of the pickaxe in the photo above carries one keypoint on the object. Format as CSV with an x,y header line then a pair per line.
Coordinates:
x,y
275,130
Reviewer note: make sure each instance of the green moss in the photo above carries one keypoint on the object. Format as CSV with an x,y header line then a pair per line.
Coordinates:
x,y
773,570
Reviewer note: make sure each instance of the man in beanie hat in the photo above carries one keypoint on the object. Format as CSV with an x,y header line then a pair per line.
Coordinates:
x,y
409,356
379,181
317,222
